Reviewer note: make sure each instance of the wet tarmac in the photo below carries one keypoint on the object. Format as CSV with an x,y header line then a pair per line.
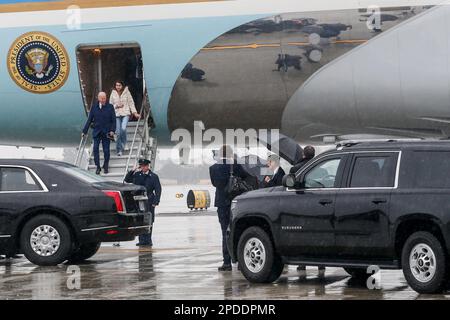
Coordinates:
x,y
182,265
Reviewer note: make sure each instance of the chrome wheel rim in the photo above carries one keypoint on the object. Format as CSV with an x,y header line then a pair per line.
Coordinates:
x,y
45,240
422,262
254,255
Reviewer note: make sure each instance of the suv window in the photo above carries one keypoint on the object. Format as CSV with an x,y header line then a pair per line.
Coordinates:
x,y
323,175
377,171
431,169
17,179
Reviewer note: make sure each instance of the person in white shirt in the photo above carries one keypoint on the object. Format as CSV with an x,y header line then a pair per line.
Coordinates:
x,y
123,103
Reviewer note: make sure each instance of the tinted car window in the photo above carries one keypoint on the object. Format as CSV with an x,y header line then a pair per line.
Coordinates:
x,y
81,174
17,179
323,175
431,169
373,172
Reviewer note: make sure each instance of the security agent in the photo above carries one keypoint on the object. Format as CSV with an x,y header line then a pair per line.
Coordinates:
x,y
220,174
143,176
308,153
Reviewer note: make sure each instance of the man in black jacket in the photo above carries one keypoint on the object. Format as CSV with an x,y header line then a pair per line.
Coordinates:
x,y
220,175
308,153
143,176
273,162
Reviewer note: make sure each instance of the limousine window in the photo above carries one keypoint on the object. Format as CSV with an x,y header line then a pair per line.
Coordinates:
x,y
17,179
373,172
323,175
81,174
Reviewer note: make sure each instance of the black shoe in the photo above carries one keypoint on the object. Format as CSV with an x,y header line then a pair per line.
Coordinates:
x,y
301,268
106,170
225,267
98,171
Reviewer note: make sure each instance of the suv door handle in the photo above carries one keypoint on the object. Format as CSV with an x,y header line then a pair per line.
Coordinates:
x,y
324,202
378,201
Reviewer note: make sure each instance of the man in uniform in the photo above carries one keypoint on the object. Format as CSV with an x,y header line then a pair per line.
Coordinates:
x,y
143,176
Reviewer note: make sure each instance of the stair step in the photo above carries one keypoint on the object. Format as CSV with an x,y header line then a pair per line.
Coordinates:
x,y
115,165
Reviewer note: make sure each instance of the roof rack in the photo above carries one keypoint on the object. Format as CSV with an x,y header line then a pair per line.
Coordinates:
x,y
350,143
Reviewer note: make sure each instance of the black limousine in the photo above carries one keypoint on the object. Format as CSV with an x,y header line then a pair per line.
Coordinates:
x,y
52,211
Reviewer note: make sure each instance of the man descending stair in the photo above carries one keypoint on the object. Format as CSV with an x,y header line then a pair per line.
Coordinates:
x,y
143,176
103,116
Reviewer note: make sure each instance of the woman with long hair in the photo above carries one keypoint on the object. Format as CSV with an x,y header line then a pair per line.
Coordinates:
x,y
124,106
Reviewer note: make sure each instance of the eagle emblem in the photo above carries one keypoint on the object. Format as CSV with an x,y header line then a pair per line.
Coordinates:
x,y
37,63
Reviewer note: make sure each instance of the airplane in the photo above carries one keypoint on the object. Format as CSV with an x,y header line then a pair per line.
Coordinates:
x,y
365,80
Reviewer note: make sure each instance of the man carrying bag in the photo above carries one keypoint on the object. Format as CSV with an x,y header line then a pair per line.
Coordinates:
x,y
225,177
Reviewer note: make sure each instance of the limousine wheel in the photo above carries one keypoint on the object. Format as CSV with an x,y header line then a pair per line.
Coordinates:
x,y
423,262
256,256
84,252
46,240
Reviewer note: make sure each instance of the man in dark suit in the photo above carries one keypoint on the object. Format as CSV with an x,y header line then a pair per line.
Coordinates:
x,y
273,162
143,176
103,116
308,153
220,174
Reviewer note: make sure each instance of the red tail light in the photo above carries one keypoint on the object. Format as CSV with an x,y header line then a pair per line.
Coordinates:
x,y
117,199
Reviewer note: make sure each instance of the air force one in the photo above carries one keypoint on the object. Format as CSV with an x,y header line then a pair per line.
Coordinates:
x,y
319,70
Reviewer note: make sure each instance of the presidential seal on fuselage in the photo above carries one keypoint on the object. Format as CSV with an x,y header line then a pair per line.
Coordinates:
x,y
38,62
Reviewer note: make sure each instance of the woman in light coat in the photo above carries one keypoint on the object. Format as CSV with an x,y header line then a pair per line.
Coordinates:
x,y
123,104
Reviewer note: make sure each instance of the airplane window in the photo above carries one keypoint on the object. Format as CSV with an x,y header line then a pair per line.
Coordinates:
x,y
17,179
323,175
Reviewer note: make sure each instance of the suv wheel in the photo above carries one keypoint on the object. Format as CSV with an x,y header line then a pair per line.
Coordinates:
x,y
84,252
257,258
45,240
424,263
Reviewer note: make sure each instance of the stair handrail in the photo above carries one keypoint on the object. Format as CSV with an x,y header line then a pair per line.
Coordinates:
x,y
146,115
81,149
84,138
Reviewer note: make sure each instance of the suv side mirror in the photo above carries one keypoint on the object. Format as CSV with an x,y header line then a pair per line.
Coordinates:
x,y
289,181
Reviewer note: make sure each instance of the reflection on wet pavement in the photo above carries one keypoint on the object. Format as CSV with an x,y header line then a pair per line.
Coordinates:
x,y
183,265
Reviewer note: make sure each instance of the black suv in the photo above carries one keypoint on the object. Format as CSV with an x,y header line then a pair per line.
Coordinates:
x,y
369,203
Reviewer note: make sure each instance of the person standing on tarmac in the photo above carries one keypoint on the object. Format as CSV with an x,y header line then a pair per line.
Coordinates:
x,y
143,176
308,153
273,162
220,175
